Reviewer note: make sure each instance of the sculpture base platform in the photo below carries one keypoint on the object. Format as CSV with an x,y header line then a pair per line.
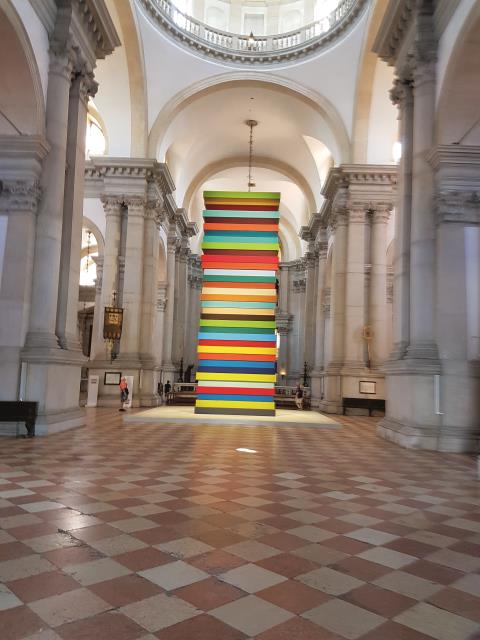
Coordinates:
x,y
186,415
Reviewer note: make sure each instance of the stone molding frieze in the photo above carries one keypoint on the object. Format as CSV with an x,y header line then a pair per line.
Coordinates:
x,y
19,195
458,206
284,321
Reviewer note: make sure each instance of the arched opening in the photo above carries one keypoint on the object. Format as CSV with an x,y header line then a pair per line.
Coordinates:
x,y
21,101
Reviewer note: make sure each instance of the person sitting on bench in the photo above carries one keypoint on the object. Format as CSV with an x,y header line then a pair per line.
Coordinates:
x,y
299,397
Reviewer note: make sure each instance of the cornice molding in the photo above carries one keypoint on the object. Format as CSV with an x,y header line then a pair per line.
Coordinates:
x,y
125,178
21,157
90,27
356,186
393,29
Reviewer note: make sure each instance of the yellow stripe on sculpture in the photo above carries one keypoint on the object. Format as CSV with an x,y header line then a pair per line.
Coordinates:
x,y
233,404
239,377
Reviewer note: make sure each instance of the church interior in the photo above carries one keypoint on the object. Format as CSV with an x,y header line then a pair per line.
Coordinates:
x,y
240,319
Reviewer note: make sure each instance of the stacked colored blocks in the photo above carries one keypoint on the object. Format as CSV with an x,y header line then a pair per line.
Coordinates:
x,y
237,340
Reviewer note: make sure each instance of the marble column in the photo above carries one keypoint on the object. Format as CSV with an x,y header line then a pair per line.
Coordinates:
x,y
161,305
83,86
149,304
354,354
48,240
319,325
113,207
168,367
132,287
332,401
97,329
422,242
284,325
337,294
18,206
181,293
378,285
297,335
402,95
311,261
283,277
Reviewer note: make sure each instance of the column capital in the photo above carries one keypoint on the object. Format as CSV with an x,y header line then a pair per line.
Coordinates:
x,y
283,321
112,205
172,243
62,58
381,212
322,250
339,218
326,301
85,84
135,205
162,296
19,195
401,91
357,212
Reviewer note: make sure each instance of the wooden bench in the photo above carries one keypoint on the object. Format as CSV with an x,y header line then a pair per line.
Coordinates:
x,y
181,397
372,404
19,411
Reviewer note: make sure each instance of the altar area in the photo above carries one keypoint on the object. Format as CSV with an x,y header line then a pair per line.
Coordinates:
x,y
185,415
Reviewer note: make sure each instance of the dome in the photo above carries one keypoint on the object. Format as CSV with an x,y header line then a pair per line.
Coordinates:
x,y
254,31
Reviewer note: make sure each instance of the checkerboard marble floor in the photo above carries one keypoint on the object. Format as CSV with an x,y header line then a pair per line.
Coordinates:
x,y
145,532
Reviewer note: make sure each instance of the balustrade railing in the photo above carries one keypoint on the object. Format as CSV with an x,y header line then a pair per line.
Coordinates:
x,y
259,48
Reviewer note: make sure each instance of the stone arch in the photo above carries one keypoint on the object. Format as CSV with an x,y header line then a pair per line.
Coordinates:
x,y
89,224
365,81
136,77
262,162
248,78
457,118
22,103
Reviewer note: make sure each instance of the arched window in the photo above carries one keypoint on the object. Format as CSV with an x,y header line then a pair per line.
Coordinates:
x,y
95,143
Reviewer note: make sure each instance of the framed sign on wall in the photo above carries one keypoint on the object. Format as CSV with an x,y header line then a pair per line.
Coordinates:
x,y
367,386
112,377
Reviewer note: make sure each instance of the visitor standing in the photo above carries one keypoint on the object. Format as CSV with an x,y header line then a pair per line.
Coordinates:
x,y
123,393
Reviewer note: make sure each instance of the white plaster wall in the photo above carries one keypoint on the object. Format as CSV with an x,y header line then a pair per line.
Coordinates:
x,y
93,210
38,39
383,124
113,96
3,239
449,38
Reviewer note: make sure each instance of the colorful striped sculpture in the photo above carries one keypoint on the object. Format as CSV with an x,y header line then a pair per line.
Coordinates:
x,y
237,340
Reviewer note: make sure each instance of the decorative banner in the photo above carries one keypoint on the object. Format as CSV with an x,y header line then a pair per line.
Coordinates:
x,y
112,323
237,340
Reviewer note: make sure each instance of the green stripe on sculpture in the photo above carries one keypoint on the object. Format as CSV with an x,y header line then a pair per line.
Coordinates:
x,y
242,195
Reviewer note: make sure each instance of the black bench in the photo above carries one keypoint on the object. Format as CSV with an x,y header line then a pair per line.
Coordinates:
x,y
372,404
19,411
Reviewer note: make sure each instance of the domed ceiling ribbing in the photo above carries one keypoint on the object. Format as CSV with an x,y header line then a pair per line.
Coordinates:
x,y
254,31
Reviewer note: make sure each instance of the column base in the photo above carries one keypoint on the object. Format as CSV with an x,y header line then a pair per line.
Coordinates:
x,y
41,340
410,418
316,387
447,438
343,381
52,378
422,350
